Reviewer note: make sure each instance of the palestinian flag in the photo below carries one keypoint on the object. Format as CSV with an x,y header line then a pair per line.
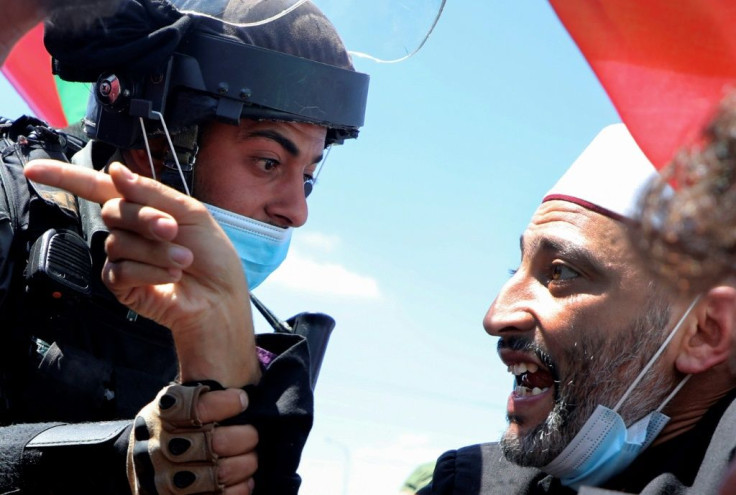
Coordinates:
x,y
665,64
28,68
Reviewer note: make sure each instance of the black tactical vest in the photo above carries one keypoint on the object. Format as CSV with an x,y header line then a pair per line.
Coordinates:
x,y
69,351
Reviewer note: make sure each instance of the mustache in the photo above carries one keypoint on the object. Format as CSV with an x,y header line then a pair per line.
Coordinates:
x,y
525,344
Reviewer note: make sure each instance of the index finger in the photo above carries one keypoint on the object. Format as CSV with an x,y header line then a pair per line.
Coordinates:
x,y
89,184
144,190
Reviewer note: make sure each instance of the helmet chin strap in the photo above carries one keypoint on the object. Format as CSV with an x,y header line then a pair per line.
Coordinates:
x,y
183,148
310,183
148,147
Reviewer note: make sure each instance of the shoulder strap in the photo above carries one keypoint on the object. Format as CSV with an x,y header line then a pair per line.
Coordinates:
x,y
316,328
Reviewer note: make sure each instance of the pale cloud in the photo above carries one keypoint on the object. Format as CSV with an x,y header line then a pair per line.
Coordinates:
x,y
303,273
415,448
366,470
316,241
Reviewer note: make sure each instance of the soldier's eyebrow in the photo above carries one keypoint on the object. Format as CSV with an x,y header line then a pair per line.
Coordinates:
x,y
282,140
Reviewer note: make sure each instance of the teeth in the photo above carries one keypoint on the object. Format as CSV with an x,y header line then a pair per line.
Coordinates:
x,y
518,369
521,368
522,391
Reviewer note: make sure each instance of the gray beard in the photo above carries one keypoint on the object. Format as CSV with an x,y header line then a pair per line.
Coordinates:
x,y
612,367
73,15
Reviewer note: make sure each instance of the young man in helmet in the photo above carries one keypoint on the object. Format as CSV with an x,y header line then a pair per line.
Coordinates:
x,y
621,383
215,108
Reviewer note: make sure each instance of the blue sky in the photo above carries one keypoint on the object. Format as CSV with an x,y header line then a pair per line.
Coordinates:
x,y
414,227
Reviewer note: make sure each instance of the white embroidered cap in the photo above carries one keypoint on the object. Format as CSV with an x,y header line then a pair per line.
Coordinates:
x,y
609,177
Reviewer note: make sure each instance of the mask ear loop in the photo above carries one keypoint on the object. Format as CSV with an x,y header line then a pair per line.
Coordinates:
x,y
674,392
655,357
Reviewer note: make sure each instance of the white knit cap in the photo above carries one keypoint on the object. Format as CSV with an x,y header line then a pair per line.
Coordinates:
x,y
608,177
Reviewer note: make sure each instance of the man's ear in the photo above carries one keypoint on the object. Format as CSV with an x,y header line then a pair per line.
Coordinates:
x,y
137,161
708,343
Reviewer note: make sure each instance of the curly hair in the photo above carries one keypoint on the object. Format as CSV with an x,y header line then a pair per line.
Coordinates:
x,y
689,236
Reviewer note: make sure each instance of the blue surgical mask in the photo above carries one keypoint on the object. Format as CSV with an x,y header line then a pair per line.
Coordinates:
x,y
262,247
604,446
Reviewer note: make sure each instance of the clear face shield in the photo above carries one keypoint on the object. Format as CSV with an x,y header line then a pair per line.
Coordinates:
x,y
384,31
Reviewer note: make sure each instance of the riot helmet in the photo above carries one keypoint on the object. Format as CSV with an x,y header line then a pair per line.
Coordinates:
x,y
163,66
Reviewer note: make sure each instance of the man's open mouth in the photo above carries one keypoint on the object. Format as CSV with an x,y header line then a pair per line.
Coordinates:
x,y
531,379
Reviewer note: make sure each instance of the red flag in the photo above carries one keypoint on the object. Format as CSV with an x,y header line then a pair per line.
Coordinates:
x,y
28,68
665,64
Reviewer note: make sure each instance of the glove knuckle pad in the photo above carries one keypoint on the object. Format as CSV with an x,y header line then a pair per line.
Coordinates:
x,y
170,450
